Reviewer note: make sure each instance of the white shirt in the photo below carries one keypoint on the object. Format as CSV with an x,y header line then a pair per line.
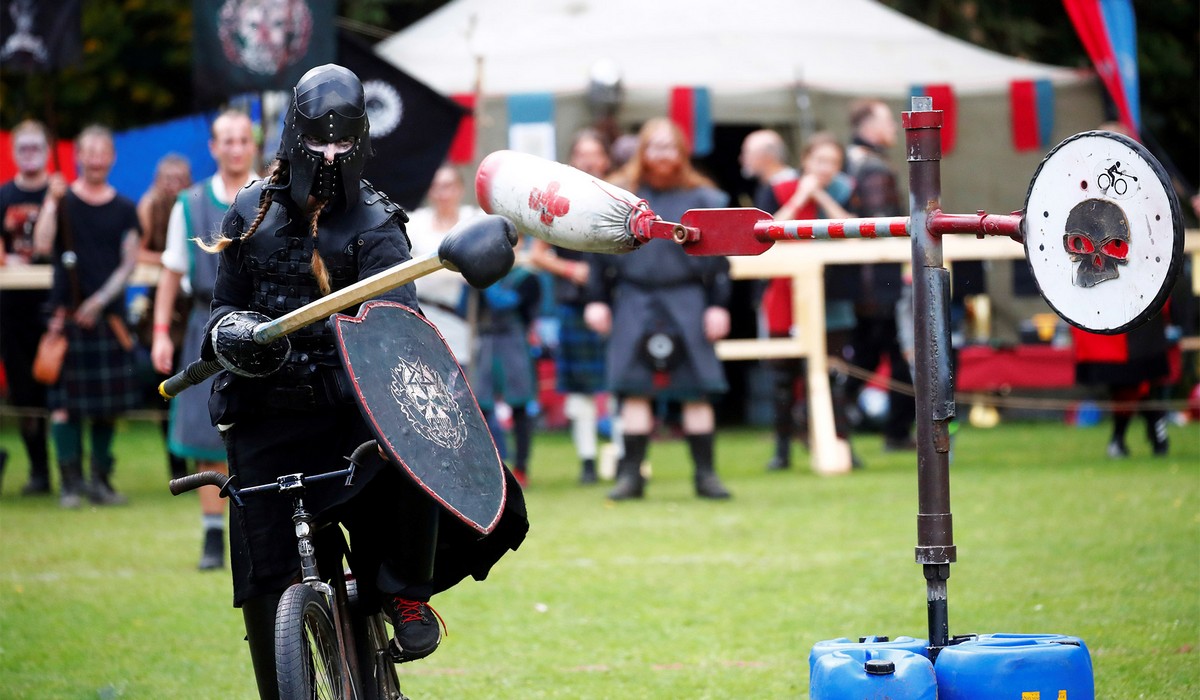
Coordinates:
x,y
442,286
175,255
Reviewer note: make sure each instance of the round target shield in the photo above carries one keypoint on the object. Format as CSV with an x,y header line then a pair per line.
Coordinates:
x,y
1103,232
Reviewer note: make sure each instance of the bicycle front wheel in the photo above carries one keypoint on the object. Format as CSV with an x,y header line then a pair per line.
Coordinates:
x,y
307,663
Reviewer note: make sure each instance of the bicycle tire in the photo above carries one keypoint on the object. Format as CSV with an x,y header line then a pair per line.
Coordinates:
x,y
307,663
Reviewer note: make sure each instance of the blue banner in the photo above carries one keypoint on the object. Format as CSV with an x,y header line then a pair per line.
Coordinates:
x,y
139,150
1122,33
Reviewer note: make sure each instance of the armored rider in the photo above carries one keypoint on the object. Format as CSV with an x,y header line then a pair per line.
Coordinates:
x,y
314,227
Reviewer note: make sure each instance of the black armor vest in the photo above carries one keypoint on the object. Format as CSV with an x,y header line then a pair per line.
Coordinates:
x,y
278,258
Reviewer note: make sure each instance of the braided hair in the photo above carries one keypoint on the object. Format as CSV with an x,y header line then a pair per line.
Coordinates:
x,y
221,242
318,264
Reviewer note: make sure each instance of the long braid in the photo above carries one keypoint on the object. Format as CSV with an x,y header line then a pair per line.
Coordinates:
x,y
318,264
222,242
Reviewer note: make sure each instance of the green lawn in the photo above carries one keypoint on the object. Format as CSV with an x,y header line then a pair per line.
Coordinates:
x,y
667,598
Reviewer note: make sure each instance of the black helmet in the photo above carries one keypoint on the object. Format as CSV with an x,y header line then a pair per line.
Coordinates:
x,y
327,106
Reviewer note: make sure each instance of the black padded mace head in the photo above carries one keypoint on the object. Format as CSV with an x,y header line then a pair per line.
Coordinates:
x,y
328,106
1097,237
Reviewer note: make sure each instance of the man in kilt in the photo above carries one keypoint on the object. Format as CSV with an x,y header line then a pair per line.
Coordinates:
x,y
195,216
664,310
94,233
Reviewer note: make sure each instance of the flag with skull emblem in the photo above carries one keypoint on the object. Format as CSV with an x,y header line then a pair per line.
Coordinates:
x,y
412,126
417,402
243,46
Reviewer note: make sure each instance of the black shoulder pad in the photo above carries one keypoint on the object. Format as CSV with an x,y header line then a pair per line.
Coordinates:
x,y
246,201
379,205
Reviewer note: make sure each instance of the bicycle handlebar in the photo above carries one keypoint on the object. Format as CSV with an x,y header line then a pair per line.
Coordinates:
x,y
191,375
194,481
286,482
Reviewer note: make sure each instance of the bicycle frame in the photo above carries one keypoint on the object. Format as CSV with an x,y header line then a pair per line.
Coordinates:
x,y
336,595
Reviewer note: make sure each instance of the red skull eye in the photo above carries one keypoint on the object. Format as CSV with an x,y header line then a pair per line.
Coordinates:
x,y
1078,243
1115,248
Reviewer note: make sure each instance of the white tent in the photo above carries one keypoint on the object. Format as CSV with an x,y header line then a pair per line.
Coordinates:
x,y
736,49
756,58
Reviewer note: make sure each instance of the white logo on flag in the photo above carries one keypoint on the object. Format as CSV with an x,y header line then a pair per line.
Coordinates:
x,y
385,109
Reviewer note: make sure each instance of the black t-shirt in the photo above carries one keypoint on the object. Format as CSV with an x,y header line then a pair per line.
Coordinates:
x,y
96,234
18,213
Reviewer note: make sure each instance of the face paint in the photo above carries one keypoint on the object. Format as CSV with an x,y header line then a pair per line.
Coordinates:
x,y
30,153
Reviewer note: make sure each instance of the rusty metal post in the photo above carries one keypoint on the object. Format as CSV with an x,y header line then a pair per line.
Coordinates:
x,y
935,549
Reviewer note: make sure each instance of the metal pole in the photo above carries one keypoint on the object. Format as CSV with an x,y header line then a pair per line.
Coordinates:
x,y
935,549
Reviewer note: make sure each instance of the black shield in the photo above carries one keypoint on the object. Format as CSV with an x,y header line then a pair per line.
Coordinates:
x,y
416,399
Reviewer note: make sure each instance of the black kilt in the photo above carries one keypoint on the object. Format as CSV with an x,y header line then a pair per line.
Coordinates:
x,y
678,310
98,378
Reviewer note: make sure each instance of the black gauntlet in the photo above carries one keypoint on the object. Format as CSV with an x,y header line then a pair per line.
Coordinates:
x,y
233,343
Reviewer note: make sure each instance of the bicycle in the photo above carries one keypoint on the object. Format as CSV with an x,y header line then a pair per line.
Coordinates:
x,y
1110,176
329,644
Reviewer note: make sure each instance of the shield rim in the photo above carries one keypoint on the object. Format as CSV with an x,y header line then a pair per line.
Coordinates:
x,y
1160,297
369,416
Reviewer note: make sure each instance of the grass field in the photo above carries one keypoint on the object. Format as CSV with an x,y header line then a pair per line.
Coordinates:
x,y
667,598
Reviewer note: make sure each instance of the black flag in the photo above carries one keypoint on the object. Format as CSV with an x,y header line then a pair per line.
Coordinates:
x,y
411,125
253,45
38,35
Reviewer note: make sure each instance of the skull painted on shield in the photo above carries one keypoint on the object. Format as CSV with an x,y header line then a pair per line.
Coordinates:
x,y
1097,238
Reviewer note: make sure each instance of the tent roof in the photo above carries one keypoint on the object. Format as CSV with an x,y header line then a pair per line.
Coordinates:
x,y
840,46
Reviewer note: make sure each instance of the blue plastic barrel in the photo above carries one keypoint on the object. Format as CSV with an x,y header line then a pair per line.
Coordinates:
x,y
909,644
1004,666
872,674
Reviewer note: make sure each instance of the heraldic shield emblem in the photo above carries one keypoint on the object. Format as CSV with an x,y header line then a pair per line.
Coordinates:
x,y
417,402
1103,232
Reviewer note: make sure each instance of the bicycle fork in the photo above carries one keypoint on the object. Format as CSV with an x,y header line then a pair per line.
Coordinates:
x,y
302,521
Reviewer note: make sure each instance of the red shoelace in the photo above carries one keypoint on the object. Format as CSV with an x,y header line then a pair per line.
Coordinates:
x,y
410,611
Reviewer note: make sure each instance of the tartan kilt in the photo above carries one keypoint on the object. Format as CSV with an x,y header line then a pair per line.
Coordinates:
x,y
98,378
581,354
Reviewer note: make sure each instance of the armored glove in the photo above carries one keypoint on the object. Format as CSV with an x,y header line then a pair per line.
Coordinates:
x,y
233,343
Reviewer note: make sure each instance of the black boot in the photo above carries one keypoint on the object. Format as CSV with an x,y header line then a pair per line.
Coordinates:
x,y
587,473
33,434
72,484
630,483
259,616
783,454
213,555
100,490
1116,444
707,483
1156,431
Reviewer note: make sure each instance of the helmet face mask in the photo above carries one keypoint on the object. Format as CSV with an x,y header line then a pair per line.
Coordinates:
x,y
328,108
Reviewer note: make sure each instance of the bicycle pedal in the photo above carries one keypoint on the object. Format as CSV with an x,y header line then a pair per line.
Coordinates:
x,y
394,652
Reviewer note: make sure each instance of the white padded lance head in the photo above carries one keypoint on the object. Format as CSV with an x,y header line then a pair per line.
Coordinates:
x,y
559,204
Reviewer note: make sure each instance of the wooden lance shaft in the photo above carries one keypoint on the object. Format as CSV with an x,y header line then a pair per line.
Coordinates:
x,y
357,293
265,333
